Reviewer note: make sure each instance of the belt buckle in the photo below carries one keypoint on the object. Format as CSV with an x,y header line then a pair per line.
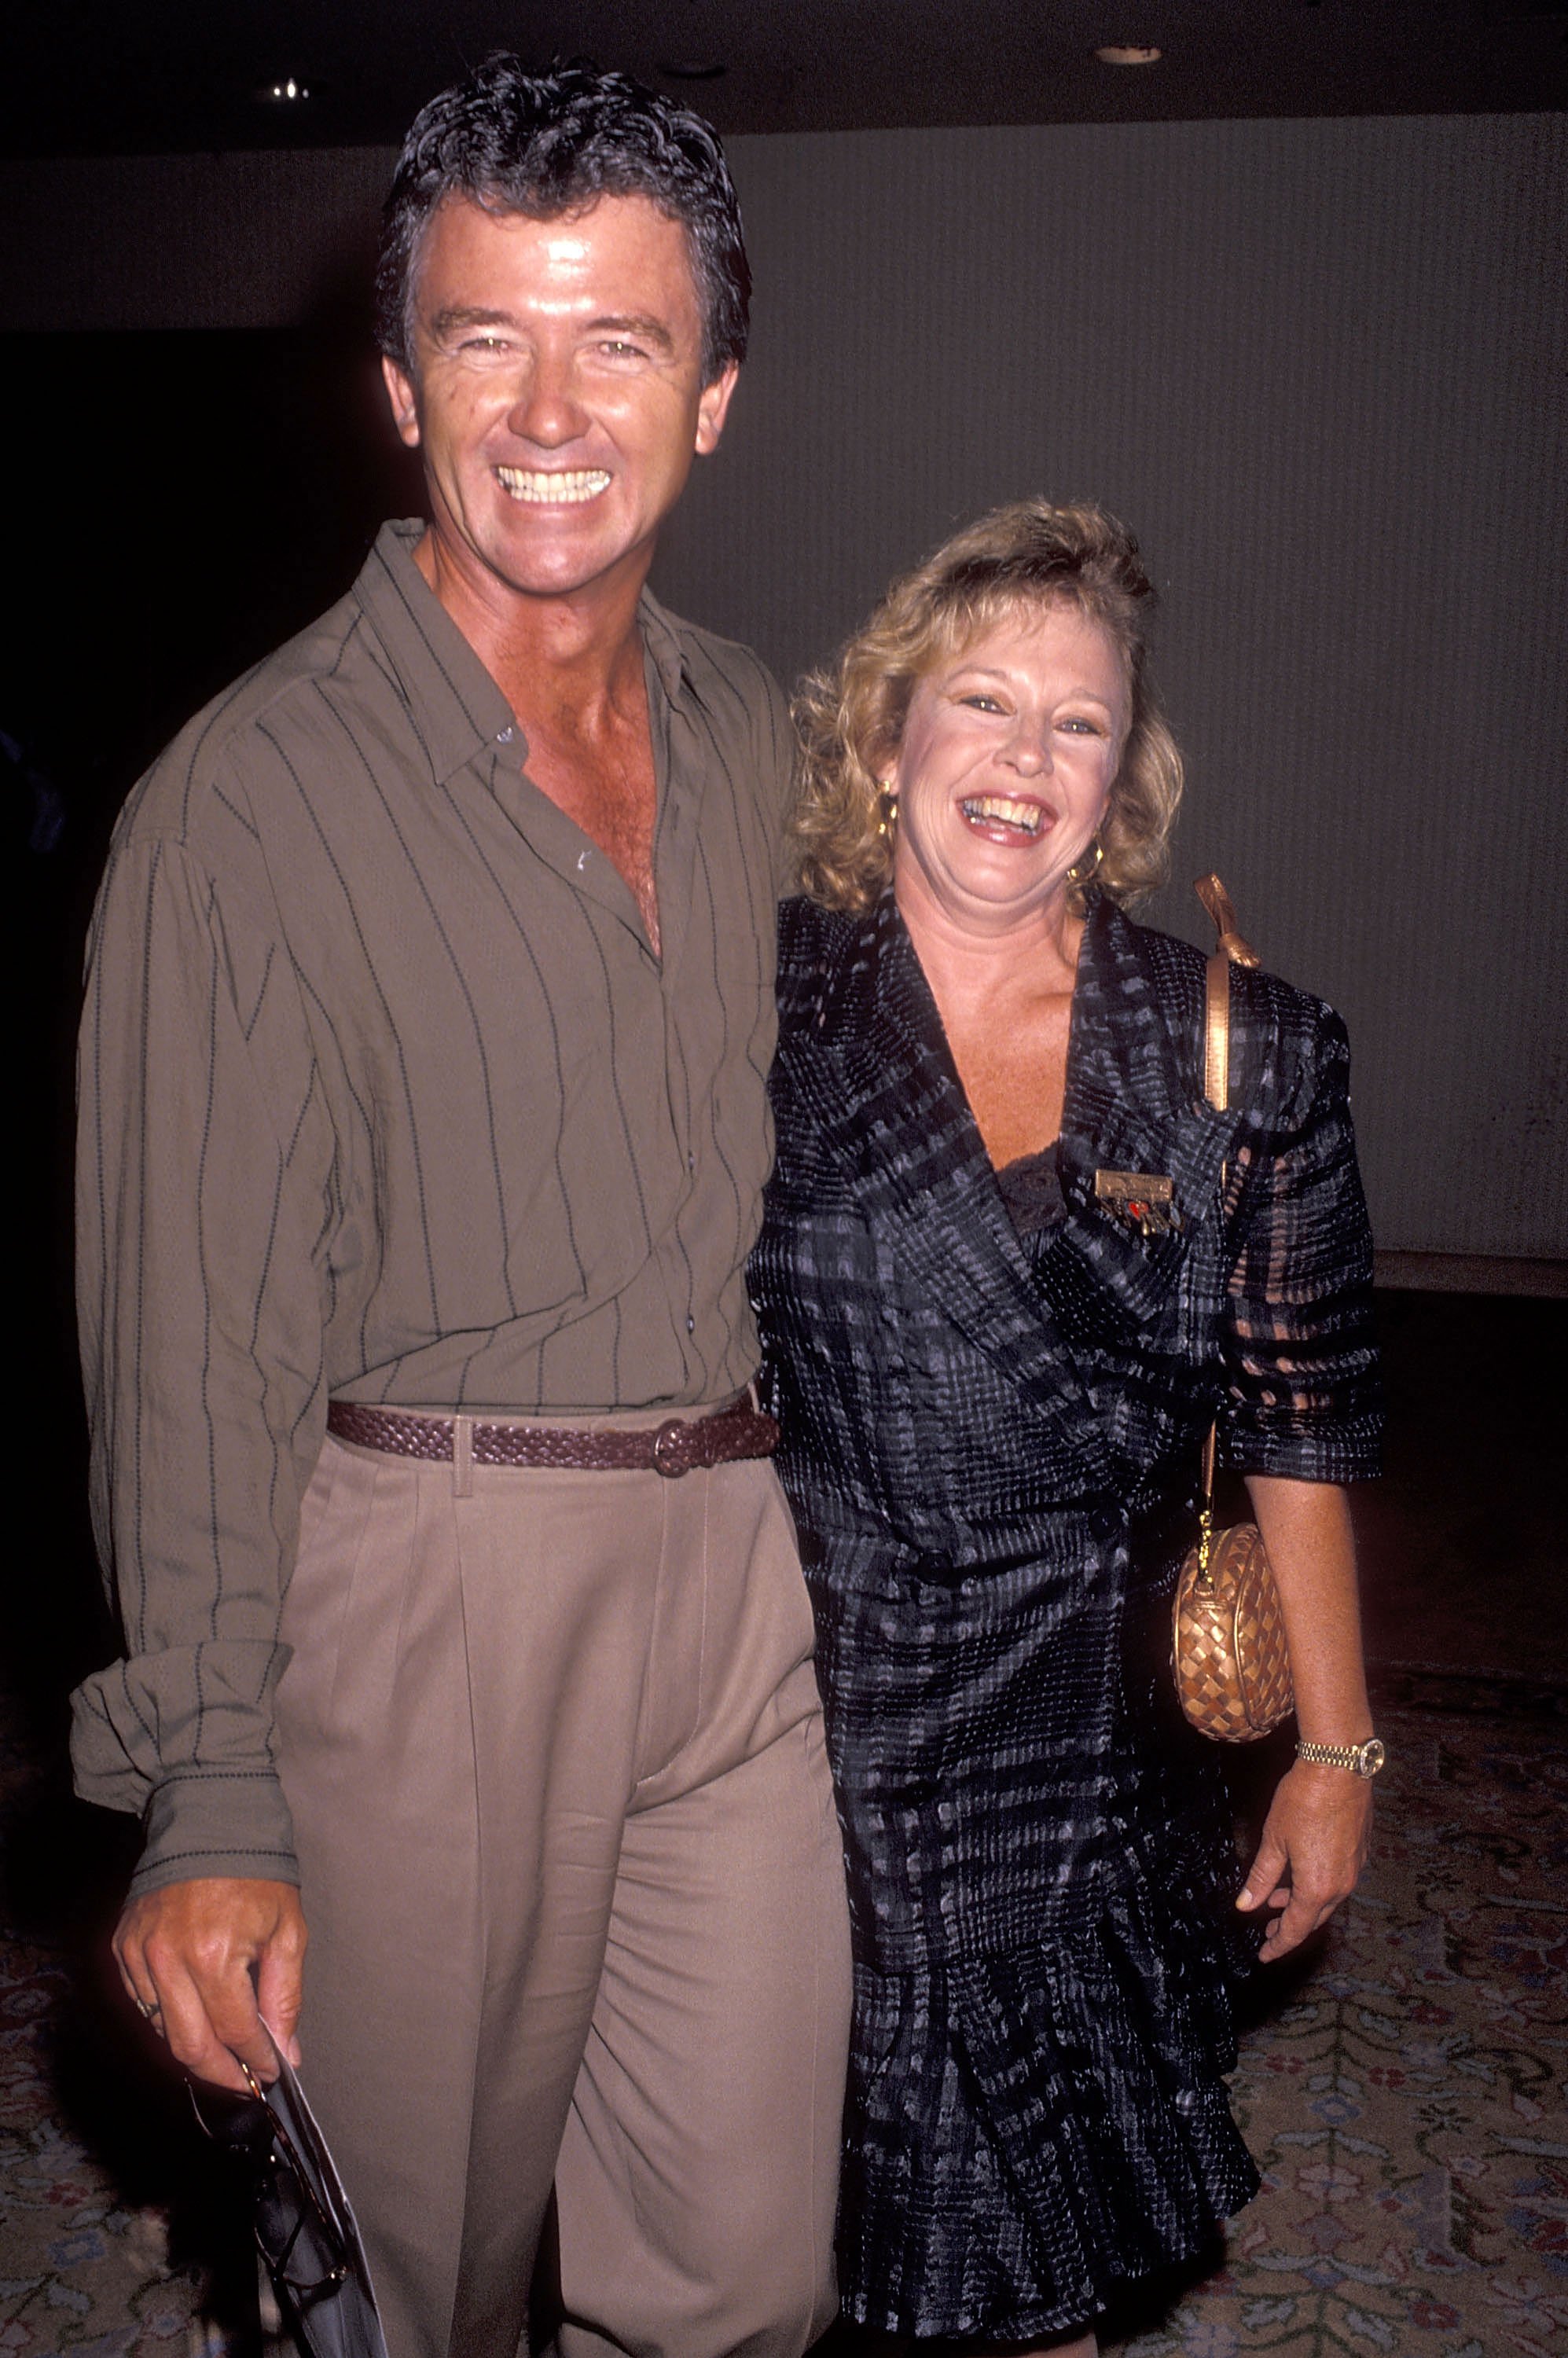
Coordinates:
x,y
672,1448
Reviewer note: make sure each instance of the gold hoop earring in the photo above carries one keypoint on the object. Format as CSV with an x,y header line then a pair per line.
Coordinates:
x,y
887,813
1078,873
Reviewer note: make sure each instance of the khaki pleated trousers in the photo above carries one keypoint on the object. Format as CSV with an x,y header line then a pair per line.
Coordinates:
x,y
574,1889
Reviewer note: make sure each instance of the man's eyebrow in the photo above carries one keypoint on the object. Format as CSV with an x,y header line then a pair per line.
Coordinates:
x,y
641,324
455,316
458,318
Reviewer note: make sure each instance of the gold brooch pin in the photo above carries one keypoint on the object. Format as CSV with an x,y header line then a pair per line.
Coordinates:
x,y
1144,1200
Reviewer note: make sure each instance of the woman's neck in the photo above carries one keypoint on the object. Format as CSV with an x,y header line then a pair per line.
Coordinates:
x,y
1005,999
975,971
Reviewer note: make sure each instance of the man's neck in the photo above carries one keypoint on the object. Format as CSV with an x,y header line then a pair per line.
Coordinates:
x,y
565,663
571,669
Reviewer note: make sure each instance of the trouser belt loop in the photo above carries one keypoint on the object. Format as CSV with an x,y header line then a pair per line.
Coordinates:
x,y
462,1457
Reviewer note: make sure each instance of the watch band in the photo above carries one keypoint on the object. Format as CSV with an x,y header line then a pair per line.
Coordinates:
x,y
1361,1759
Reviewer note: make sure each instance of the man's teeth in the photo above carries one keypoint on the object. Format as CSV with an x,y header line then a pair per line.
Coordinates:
x,y
1026,816
553,486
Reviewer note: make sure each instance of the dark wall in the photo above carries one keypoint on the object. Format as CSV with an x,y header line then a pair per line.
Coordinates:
x,y
177,503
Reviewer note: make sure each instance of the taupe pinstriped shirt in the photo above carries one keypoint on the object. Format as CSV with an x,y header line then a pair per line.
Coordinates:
x,y
384,1094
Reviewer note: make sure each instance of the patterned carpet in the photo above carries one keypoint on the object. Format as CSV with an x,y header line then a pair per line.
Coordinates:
x,y
1405,2098
1404,2089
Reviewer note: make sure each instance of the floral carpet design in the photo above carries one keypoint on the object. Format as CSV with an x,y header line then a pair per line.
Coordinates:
x,y
1406,2104
1403,2094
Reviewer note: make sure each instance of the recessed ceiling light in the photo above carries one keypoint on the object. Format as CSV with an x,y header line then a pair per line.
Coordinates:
x,y
1128,53
688,69
286,92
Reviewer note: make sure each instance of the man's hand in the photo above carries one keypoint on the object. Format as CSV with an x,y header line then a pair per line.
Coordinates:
x,y
1313,1846
205,1960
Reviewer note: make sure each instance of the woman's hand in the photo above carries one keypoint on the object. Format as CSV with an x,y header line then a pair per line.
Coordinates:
x,y
1313,1849
1315,1837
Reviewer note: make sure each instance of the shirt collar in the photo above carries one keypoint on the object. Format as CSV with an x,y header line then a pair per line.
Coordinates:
x,y
457,708
666,652
462,711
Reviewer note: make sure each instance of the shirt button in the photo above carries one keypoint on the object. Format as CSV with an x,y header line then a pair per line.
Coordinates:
x,y
691,1325
504,736
691,1163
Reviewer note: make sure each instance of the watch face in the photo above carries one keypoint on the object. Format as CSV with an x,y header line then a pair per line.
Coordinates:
x,y
1372,1757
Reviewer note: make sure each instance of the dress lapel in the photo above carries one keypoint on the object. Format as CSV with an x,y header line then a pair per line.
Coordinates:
x,y
890,1105
1133,1103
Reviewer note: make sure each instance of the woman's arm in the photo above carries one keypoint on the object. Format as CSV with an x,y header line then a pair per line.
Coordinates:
x,y
1314,1838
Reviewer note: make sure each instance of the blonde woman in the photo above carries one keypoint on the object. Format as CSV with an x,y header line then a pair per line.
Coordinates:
x,y
994,1381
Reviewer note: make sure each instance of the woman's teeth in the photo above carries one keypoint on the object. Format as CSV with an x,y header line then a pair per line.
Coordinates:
x,y
1023,816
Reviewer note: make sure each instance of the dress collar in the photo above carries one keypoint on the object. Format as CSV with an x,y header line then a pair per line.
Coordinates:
x,y
888,1100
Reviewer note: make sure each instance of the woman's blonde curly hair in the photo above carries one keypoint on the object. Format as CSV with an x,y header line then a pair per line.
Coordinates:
x,y
1027,555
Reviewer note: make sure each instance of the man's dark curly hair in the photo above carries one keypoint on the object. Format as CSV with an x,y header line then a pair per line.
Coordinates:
x,y
546,145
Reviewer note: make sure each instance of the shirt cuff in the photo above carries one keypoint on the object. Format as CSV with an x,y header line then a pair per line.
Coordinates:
x,y
224,1822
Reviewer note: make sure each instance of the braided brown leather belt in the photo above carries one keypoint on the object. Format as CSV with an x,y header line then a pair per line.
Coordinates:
x,y
677,1446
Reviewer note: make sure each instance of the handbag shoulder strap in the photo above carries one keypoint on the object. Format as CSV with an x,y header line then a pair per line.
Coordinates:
x,y
1230,949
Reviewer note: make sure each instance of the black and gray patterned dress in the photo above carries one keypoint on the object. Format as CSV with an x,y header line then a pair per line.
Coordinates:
x,y
992,1428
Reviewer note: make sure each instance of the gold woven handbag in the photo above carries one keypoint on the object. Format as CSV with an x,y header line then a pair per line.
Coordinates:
x,y
1233,1672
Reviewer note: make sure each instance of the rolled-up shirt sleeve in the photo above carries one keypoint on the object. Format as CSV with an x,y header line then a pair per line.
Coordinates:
x,y
1304,1395
205,1180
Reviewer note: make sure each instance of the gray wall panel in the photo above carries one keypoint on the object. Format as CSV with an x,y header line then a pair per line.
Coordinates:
x,y
1320,367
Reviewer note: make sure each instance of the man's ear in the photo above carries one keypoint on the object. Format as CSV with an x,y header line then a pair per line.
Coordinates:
x,y
404,405
712,409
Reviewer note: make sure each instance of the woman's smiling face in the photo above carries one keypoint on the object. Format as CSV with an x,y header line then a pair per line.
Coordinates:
x,y
1009,753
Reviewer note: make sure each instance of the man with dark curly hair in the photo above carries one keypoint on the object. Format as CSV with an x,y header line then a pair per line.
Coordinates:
x,y
423,1143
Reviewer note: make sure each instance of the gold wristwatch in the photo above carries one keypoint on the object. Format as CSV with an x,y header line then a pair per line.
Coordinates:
x,y
1361,1759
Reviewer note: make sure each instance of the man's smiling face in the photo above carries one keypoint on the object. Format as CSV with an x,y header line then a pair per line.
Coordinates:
x,y
556,393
